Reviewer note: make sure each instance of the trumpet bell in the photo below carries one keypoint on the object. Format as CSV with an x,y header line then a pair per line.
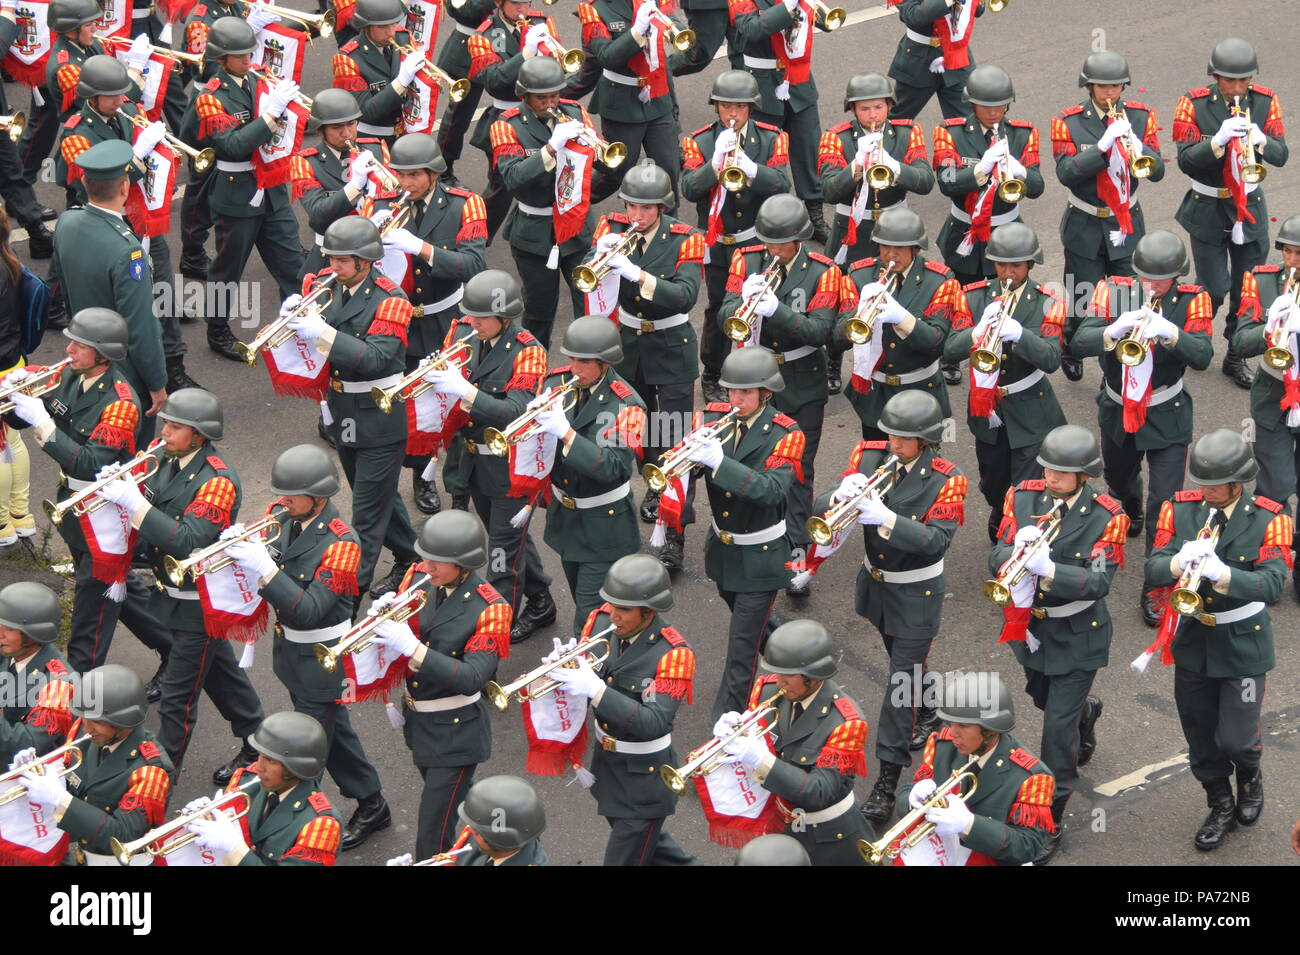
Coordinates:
x,y
1142,167
15,124
614,154
986,361
1130,352
737,329
1011,190
880,177
997,6
674,780
683,40
733,178
382,400
326,657
858,331
459,90
834,18
496,442
1279,358
819,530
204,159
174,570
655,477
246,353
585,279
53,512
997,592
498,697
1253,172
1185,601
572,60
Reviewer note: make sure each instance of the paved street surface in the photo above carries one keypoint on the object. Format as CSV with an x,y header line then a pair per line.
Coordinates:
x,y
1137,801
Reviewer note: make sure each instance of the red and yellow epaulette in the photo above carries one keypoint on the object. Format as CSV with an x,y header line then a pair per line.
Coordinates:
x,y
900,122
840,127
1023,758
510,113
349,46
745,250
1022,123
938,267
784,420
216,463
823,259
1036,484
702,129
955,121
1134,104
1108,502
1261,89
488,593
673,636
1260,269
848,709
1074,110
73,120
982,283
339,528
866,263
1191,494
525,337
945,733
386,284
680,228
942,465
320,802
1268,504
620,388
718,406
1199,92
620,217
775,129
457,191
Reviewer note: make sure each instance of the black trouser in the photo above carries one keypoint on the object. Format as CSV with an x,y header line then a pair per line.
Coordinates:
x,y
751,625
456,121
907,656
642,842
378,515
710,28
346,762
542,289
39,136
19,197
585,579
160,261
1219,269
275,235
1122,466
1220,717
496,201
438,822
798,501
199,663
95,617
514,567
805,130
1062,698
910,100
196,217
661,140
1278,454
1002,466
1086,272
714,347
668,410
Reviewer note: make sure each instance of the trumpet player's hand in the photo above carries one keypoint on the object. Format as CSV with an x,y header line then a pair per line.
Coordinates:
x,y
381,603
309,325
1028,534
533,38
992,156
644,18
1193,550
891,313
448,381
47,788
220,834
851,485
563,132
231,532
32,410
137,57
1116,130
254,558
19,375
724,726
921,791
746,165
725,142
1213,568
1230,129
1011,330
289,304
626,268
766,304
746,750
1162,328
404,859
607,241
124,493
706,451
278,100
404,240
412,63
1040,563
872,511
1257,137
1016,168
553,421
580,680
953,819
22,757
751,286
1120,328
359,174
396,636
148,138
1279,310
258,18
194,805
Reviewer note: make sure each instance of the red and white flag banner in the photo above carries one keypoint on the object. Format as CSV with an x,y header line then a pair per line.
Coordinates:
x,y
297,369
556,727
232,607
149,200
30,51
280,52
111,540
30,836
737,808
423,18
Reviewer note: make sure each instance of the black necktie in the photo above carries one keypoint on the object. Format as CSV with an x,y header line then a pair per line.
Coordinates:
x,y
741,431
1220,519
272,800
638,246
583,395
485,349
796,711
295,529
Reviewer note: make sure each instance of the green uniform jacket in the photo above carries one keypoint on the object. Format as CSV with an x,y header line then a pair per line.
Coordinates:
x,y
1095,527
304,829
1259,288
466,633
607,447
81,130
195,32
1012,804
314,590
911,65
929,504
519,140
645,684
453,58
608,39
495,56
369,345
1075,132
190,510
531,854
119,795
755,24
929,291
1255,544
367,72
674,258
808,305
901,139
747,494
1030,413
98,248
45,725
1197,117
318,180
63,71
1187,306
764,143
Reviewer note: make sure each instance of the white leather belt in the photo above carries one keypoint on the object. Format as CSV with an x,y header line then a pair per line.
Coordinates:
x,y
1002,218
535,210
818,817
227,165
140,14
1214,192
76,484
922,38
743,236
1232,616
794,354
363,387
94,858
1097,212
611,745
468,31
448,301
622,78
651,325
1158,396
756,537
907,377
317,636
904,576
1026,382
759,62
442,703
844,209
1064,610
180,594
505,104
599,500
371,130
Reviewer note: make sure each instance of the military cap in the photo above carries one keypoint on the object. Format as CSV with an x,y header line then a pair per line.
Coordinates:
x,y
32,609
103,162
101,329
638,580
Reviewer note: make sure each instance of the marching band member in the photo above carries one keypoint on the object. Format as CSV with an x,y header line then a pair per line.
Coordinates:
x,y
933,56
505,818
29,628
454,60
371,68
21,205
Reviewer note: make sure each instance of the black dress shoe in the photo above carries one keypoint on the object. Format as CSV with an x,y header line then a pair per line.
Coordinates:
x,y
1092,707
460,502
195,267
1222,818
371,816
47,214
1136,517
153,689
834,373
1072,367
222,341
1250,796
649,507
1151,610
325,433
392,581
927,723
1235,367
538,613
40,242
242,760
426,495
178,377
951,372
879,805
670,555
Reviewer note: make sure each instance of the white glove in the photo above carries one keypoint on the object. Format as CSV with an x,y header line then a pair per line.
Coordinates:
x,y
1121,127
953,819
309,325
990,313
404,240
535,35
253,556
891,313
723,727
32,410
194,805
289,304
560,648
766,305
872,511
359,175
563,132
1257,137
279,99
1193,550
623,265
396,636
725,142
1213,568
22,757
749,288
1120,328
259,18
920,793
1231,128
411,64
644,17
221,834
782,90
1279,310
992,156
608,241
1162,328
404,859
746,165
137,57
553,421
746,750
1016,169
124,494
1011,330
706,451
580,680
448,381
17,376
47,788
867,144
851,485
381,602
890,163
108,470
1028,534
149,137
1040,563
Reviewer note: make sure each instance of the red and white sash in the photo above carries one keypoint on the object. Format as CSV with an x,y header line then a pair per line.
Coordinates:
x,y
737,808
30,836
556,727
30,52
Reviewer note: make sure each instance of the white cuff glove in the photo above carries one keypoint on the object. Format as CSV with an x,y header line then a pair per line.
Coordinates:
x,y
404,859
149,137
890,163
749,288
920,793
124,494
746,750
1040,563
536,33
1011,330
623,265
1213,568
32,410
258,18
644,17
782,91
1162,328
580,680
1121,127
253,556
359,174
766,305
289,304
411,64
231,532
953,819
221,834
1280,309
747,165
47,788
309,325
707,451
137,57
1257,137
1194,550
872,511
891,313
404,240
851,485
563,132
448,381
992,156
553,421
1028,534
559,649
1120,328
397,637
1016,169
194,805
279,99
22,757
1231,127
725,142
723,727
608,241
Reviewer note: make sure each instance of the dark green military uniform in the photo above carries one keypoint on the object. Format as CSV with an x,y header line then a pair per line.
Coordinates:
x,y
44,725
368,72
319,175
531,854
302,828
917,49
711,24
453,59
495,56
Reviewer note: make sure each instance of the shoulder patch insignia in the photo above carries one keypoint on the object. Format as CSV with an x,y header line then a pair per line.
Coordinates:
x,y
1108,502
942,465
339,528
1134,104
680,228
149,750
874,445
768,126
348,47
620,217
1037,484
56,667
1190,289
823,259
745,250
620,388
1267,268
320,802
841,127
309,152
718,406
73,120
900,122
488,593
848,709
216,463
982,283
1074,110
1192,494
938,267
510,113
1268,504
1023,758
1022,123
1199,92
945,733
385,283
123,390
524,336
702,129
456,191
866,263
214,84
673,636
783,419
1262,90
955,121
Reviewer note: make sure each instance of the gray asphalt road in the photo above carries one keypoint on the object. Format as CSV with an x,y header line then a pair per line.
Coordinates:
x,y
1138,803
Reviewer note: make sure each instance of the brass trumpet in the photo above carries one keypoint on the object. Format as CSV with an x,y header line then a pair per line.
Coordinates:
x,y
68,751
997,6
682,38
587,277
321,24
455,356
987,356
1278,354
570,59
611,154
279,332
214,557
740,324
1009,189
525,426
877,175
1252,171
456,89
1132,349
302,99
883,850
1184,597
170,836
731,175
387,178
88,500
523,690
408,603
1013,571
15,123
1139,165
832,17
711,755
862,325
674,462
179,58
844,514
202,158
441,858
35,385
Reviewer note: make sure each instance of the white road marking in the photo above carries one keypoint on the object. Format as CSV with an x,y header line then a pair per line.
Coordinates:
x,y
1138,777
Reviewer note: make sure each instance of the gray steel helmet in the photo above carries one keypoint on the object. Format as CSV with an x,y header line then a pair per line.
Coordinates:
x,y
331,107
1105,68
454,537
33,609
101,329
900,227
1233,58
966,700
199,409
989,85
1160,254
775,848
646,183
1013,242
800,647
353,235
505,811
304,469
541,74
295,739
102,76
111,694
592,336
735,86
638,580
67,15
753,367
868,86
913,414
1071,448
1289,233
1221,457
378,13
493,294
783,218
417,151
230,36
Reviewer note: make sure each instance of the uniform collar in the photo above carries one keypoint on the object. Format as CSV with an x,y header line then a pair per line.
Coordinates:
x,y
106,210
